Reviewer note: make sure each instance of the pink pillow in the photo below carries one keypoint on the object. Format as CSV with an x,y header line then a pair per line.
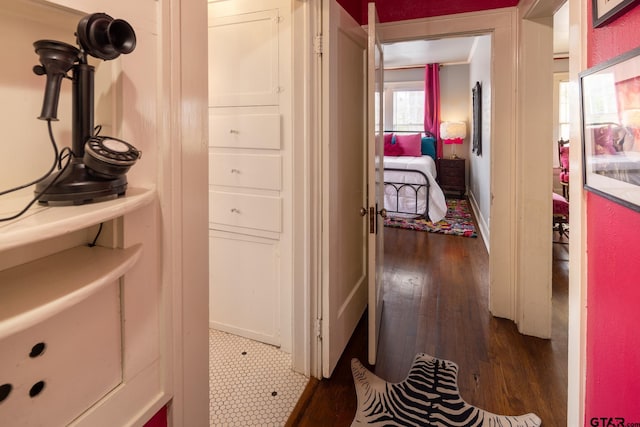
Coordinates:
x,y
411,145
388,138
391,149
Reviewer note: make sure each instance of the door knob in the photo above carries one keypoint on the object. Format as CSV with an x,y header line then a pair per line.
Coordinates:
x,y
383,213
363,211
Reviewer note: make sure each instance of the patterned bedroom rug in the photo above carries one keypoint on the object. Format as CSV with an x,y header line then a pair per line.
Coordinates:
x,y
457,221
429,396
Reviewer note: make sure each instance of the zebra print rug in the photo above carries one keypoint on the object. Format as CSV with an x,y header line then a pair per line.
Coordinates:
x,y
429,396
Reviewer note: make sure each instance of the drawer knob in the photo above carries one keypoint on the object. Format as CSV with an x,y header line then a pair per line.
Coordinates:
x,y
235,210
235,171
235,131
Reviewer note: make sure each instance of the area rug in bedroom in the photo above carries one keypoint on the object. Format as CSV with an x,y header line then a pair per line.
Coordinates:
x,y
457,221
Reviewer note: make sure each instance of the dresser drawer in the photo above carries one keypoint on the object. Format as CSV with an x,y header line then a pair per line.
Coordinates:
x,y
246,210
260,131
449,172
451,165
452,181
246,170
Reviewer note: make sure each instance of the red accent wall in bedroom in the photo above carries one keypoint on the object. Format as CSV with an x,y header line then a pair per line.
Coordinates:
x,y
400,10
613,294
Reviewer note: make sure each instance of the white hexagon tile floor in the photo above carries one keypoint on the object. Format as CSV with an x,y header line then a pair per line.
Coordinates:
x,y
250,383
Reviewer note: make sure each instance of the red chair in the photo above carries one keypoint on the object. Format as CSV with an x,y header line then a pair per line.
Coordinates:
x,y
561,215
563,157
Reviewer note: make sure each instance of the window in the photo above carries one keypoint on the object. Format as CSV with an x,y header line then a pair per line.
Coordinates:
x,y
404,107
563,110
408,110
561,117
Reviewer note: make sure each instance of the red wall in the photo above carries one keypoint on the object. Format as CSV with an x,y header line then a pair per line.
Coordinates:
x,y
613,294
354,8
400,10
159,419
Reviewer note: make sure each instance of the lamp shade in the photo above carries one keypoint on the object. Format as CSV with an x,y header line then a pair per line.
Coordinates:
x,y
453,132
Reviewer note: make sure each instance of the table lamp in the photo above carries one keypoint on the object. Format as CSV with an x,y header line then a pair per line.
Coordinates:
x,y
453,133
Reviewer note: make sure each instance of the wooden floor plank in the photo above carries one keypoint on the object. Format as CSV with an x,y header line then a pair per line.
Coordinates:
x,y
436,302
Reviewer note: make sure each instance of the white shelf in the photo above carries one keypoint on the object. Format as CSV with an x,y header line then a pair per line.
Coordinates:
x,y
35,291
41,222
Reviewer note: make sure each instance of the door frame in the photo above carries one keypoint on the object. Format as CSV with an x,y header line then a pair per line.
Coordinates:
x,y
502,24
307,187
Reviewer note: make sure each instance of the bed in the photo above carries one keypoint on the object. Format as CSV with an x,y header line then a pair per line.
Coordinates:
x,y
410,187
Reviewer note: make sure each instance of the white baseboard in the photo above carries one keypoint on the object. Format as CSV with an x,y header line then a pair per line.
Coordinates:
x,y
482,222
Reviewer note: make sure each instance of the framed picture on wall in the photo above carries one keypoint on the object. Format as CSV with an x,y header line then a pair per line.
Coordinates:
x,y
610,114
477,118
605,11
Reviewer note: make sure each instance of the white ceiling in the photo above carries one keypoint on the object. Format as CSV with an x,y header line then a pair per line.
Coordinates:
x,y
420,52
458,49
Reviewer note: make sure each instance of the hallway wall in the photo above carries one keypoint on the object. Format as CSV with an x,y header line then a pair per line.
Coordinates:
x,y
613,248
480,166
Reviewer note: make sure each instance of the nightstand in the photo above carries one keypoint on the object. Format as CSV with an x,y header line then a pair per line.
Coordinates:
x,y
451,175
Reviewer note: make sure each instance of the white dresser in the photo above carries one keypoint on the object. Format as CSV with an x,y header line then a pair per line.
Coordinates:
x,y
249,152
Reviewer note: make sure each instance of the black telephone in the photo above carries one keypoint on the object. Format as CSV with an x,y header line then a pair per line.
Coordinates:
x,y
99,164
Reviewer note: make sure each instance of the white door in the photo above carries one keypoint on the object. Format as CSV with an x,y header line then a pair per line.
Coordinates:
x,y
345,229
375,174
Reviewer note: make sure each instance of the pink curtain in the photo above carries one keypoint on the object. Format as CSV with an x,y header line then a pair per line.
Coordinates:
x,y
432,103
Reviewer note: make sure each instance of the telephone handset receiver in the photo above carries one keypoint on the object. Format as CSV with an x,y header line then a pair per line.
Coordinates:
x,y
108,157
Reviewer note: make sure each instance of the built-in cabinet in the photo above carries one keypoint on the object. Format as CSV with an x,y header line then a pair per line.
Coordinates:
x,y
86,291
76,297
249,170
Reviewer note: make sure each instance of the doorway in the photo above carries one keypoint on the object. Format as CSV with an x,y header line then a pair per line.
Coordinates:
x,y
500,192
401,57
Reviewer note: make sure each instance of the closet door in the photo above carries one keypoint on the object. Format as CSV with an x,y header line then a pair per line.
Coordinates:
x,y
345,224
248,73
375,175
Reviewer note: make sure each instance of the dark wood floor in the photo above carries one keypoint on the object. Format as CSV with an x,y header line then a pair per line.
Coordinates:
x,y
436,302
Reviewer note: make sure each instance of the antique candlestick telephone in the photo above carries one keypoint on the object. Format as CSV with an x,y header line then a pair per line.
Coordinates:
x,y
99,163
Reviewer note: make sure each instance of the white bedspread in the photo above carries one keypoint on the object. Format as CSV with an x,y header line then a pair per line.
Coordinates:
x,y
407,199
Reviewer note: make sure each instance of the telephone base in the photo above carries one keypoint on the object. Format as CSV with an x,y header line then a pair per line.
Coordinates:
x,y
77,186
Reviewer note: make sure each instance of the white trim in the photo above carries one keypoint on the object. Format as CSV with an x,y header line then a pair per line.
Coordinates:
x,y
483,227
534,169
183,196
408,85
307,237
577,357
